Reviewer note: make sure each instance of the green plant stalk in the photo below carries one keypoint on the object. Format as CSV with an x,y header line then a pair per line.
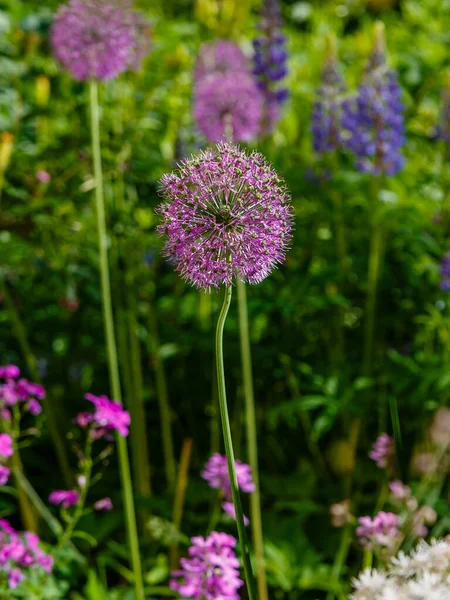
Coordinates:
x,y
344,546
228,442
162,394
113,367
30,360
180,494
252,441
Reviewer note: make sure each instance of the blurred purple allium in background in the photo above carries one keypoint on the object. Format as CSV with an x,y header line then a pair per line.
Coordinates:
x,y
270,62
99,39
220,57
20,553
211,571
327,111
445,273
226,214
66,498
374,120
228,106
382,450
216,474
382,531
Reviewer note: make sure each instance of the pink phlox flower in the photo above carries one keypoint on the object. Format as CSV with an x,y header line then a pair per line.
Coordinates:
x,y
5,472
382,450
6,445
109,414
66,498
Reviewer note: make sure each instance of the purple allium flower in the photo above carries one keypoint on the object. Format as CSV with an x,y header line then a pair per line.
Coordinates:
x,y
327,111
221,57
6,445
65,497
4,474
110,415
374,119
228,106
445,273
270,62
382,450
382,531
226,215
20,552
103,504
99,39
43,176
211,571
216,474
230,509
9,372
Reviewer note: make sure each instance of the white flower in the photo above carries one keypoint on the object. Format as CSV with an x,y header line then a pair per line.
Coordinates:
x,y
429,586
369,585
401,566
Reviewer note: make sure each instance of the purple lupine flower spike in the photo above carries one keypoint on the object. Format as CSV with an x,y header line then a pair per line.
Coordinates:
x,y
327,111
226,214
374,119
270,62
99,38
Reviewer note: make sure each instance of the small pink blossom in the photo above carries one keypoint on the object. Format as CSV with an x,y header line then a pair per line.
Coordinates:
x,y
5,472
9,372
103,504
109,414
382,531
216,474
229,508
43,176
6,445
15,576
382,450
34,407
66,498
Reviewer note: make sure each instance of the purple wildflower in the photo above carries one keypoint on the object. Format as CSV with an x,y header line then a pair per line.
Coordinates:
x,y
6,445
221,57
216,474
99,39
226,214
374,120
327,111
103,504
9,372
66,498
445,273
270,62
382,531
227,105
20,552
4,474
399,490
109,415
43,176
382,450
229,508
211,571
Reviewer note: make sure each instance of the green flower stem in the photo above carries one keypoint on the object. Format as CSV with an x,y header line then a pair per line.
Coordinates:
x,y
20,333
127,488
180,494
252,441
251,588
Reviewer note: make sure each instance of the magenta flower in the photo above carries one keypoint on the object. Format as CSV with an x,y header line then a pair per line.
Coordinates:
x,y
229,508
211,571
4,474
216,474
9,372
103,504
110,415
220,57
382,450
399,490
226,215
43,176
6,445
66,498
228,106
99,39
381,532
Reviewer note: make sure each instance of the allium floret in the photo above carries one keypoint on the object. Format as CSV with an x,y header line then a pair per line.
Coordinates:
x,y
99,39
220,57
226,215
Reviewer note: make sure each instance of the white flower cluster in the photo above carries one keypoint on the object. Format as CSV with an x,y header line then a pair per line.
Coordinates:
x,y
422,575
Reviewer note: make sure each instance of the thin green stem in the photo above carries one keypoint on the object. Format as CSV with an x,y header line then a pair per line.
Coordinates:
x,y
180,494
341,556
20,333
127,488
229,446
252,441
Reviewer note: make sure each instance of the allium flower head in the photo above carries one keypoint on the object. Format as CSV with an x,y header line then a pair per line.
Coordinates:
x,y
382,450
327,111
220,57
99,38
211,571
109,415
66,498
228,106
216,474
226,215
374,120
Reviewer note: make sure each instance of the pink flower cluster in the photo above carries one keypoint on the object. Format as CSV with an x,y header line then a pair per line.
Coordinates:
x,y
107,416
16,390
211,571
380,532
6,450
382,450
66,498
20,552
